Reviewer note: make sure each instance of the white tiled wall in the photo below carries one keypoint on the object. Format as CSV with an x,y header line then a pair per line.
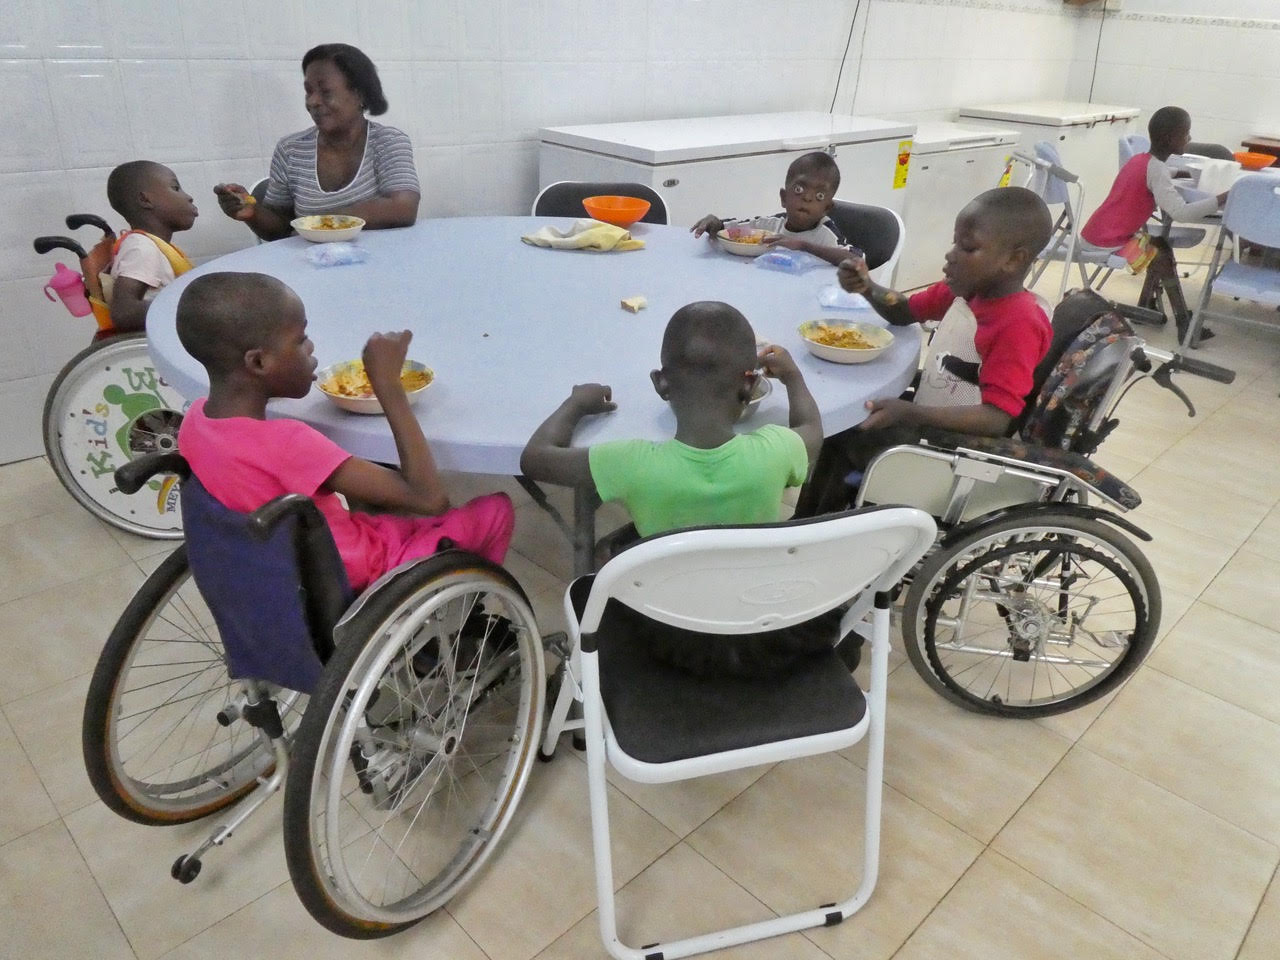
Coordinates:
x,y
208,86
1216,58
925,58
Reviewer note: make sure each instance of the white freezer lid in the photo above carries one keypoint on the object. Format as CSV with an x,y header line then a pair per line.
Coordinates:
x,y
942,136
1050,113
702,138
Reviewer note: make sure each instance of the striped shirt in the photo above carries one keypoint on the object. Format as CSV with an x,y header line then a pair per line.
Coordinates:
x,y
387,166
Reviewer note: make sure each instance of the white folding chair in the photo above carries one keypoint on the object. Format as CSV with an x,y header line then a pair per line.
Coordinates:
x,y
1252,214
657,724
877,231
1051,180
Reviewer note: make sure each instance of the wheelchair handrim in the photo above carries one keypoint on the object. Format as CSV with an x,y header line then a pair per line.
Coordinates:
x,y
374,662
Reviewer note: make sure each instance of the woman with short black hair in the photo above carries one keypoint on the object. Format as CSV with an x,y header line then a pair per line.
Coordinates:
x,y
345,164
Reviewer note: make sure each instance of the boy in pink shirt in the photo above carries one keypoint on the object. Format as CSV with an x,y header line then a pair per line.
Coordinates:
x,y
249,331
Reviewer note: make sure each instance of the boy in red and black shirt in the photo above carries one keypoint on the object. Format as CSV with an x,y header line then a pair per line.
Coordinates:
x,y
978,367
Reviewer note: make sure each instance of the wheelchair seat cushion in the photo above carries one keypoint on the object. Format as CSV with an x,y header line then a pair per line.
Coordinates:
x,y
660,712
261,599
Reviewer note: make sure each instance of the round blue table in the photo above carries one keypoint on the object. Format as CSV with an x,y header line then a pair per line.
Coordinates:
x,y
509,328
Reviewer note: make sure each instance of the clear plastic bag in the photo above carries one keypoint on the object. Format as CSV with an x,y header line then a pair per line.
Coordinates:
x,y
835,297
335,254
790,261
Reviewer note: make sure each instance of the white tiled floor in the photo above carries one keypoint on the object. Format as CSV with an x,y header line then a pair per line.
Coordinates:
x,y
1144,826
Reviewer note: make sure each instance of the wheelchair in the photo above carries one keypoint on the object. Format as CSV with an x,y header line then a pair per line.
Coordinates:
x,y
108,405
1035,600
409,714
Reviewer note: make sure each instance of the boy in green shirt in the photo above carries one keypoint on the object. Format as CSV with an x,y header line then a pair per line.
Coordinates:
x,y
707,474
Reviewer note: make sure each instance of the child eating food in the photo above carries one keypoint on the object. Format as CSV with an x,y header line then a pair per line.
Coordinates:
x,y
978,367
807,195
249,331
144,260
707,474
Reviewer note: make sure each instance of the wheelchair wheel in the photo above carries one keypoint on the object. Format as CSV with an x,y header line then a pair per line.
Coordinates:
x,y
107,406
416,747
1032,615
153,747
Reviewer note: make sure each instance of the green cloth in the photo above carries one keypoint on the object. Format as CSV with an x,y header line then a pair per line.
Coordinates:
x,y
669,485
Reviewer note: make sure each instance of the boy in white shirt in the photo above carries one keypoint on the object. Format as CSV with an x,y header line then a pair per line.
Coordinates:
x,y
807,195
150,198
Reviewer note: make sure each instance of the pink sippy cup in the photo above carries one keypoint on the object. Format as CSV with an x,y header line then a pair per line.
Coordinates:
x,y
69,286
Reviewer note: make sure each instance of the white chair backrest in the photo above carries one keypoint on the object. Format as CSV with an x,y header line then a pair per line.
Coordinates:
x,y
736,580
1131,145
1253,209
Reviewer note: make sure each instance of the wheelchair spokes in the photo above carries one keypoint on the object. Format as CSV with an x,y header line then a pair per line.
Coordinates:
x,y
420,757
154,747
1034,617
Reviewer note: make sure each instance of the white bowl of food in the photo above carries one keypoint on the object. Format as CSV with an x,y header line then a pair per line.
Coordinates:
x,y
347,385
742,242
762,389
327,228
845,341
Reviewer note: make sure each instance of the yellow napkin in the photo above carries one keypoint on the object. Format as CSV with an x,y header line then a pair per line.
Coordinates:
x,y
584,235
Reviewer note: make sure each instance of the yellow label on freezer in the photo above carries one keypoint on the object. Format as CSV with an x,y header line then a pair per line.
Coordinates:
x,y
1008,172
903,163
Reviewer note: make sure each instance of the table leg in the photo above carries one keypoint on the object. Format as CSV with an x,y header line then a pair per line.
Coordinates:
x,y
582,534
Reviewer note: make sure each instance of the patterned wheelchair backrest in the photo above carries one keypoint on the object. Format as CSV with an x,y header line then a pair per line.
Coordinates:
x,y
1072,391
255,591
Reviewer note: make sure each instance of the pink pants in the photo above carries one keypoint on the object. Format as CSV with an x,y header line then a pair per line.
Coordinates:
x,y
481,526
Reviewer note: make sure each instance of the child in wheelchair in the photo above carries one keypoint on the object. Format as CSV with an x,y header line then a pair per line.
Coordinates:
x,y
979,365
707,474
249,332
144,259
1142,186
807,195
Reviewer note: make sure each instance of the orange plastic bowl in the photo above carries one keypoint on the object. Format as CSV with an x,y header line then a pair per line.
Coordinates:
x,y
1254,161
620,211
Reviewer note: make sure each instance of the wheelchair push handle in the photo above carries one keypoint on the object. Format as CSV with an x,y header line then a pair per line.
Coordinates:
x,y
1171,363
47,244
268,516
132,476
77,220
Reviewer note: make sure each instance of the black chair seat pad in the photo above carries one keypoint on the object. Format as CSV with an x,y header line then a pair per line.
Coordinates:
x,y
660,713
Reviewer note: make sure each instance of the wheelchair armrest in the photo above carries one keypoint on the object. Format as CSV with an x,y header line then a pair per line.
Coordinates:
x,y
131,477
268,516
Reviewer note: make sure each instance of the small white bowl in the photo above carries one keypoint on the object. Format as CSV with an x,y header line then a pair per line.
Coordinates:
x,y
881,337
369,404
737,248
763,387
313,229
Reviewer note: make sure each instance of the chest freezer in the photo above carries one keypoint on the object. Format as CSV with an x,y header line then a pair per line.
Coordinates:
x,y
1086,135
951,164
732,166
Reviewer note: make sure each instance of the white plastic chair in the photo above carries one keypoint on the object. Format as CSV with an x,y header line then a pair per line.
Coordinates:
x,y
1052,181
878,231
657,724
1252,214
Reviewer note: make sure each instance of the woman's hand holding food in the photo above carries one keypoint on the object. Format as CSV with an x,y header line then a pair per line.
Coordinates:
x,y
236,202
710,225
383,357
592,398
853,275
